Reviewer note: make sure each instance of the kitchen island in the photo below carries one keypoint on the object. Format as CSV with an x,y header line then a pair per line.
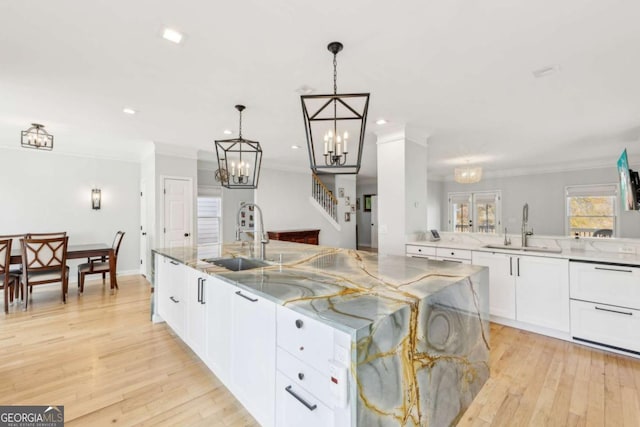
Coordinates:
x,y
416,333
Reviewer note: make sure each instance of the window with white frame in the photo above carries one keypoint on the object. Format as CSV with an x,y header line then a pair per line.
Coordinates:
x,y
478,212
209,213
591,210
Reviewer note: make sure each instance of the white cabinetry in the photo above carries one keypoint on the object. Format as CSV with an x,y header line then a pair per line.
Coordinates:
x,y
417,251
605,305
170,281
529,289
218,295
253,347
195,331
312,377
542,292
502,285
462,256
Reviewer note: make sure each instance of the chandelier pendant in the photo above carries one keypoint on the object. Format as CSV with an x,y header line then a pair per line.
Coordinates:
x,y
36,137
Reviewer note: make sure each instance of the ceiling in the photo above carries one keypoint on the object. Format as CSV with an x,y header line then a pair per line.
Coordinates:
x,y
459,72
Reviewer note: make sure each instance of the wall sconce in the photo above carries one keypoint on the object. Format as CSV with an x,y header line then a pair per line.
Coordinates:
x,y
96,198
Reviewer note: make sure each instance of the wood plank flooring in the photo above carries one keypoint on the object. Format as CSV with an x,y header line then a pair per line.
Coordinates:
x,y
101,357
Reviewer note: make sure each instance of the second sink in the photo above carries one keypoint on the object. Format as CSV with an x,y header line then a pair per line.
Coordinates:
x,y
525,249
237,264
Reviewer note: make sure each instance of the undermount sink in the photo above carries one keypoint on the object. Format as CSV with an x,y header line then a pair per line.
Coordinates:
x,y
526,248
236,264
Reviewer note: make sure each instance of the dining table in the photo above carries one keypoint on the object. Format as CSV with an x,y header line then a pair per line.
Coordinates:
x,y
88,250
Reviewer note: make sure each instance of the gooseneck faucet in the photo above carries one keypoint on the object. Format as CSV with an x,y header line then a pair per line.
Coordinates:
x,y
525,219
264,237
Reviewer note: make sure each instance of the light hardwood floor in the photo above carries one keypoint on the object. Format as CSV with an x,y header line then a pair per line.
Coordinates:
x,y
101,357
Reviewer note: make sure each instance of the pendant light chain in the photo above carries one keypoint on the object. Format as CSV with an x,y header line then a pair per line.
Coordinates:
x,y
240,132
335,74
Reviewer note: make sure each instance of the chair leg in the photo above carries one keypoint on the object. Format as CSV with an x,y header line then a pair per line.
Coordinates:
x,y
104,278
81,283
6,301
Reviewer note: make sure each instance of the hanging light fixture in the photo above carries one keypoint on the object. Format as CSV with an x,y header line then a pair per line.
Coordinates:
x,y
96,198
239,160
468,174
335,126
36,137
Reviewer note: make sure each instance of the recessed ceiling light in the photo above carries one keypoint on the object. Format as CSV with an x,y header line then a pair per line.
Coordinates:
x,y
545,71
172,35
227,132
129,111
305,90
295,147
381,122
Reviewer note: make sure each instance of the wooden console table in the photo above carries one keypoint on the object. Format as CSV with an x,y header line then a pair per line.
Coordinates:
x,y
310,237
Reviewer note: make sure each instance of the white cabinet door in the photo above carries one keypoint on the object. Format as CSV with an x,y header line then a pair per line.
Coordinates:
x,y
171,283
297,407
607,284
218,295
605,324
161,287
195,331
253,354
542,291
502,287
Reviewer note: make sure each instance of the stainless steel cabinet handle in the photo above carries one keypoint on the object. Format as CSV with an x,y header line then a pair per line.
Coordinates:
x,y
174,263
199,289
202,301
518,265
246,297
510,266
627,313
614,269
301,400
174,300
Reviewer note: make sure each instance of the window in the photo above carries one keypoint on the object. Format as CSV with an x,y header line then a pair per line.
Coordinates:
x,y
209,212
591,210
478,212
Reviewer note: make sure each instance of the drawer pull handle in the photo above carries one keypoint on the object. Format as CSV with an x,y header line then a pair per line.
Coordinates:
x,y
301,400
299,323
174,263
202,291
419,250
300,376
174,300
453,253
246,297
614,269
614,311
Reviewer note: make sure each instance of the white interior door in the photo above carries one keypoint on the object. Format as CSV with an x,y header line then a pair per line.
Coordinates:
x,y
144,258
178,213
374,221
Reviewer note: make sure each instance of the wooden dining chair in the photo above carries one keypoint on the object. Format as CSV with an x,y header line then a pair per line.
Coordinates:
x,y
43,261
99,265
7,280
16,269
46,235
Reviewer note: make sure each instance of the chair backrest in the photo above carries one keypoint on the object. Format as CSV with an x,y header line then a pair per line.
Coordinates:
x,y
117,241
5,256
605,232
46,235
44,254
15,238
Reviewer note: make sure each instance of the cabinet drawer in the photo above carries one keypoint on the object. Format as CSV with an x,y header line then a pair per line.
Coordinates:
x,y
303,375
297,407
607,284
605,324
421,250
458,260
453,253
307,339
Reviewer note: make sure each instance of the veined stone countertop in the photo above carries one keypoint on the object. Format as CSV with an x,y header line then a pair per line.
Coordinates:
x,y
420,329
588,249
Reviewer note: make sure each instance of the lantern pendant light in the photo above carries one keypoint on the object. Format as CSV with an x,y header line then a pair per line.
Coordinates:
x,y
36,137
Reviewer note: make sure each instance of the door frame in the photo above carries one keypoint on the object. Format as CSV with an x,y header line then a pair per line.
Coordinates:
x,y
163,178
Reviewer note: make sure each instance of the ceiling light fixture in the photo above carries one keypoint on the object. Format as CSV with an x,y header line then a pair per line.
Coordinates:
x,y
545,71
243,153
381,122
468,174
172,35
36,137
227,132
129,111
295,147
330,122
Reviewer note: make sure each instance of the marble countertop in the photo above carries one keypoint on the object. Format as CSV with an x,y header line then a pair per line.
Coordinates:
x,y
590,250
347,289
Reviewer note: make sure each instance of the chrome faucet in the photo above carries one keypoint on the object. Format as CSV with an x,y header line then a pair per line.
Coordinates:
x,y
264,237
525,219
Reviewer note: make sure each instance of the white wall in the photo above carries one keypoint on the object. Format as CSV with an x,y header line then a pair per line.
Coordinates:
x,y
231,201
435,197
364,218
46,192
284,199
347,234
391,195
545,195
415,178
